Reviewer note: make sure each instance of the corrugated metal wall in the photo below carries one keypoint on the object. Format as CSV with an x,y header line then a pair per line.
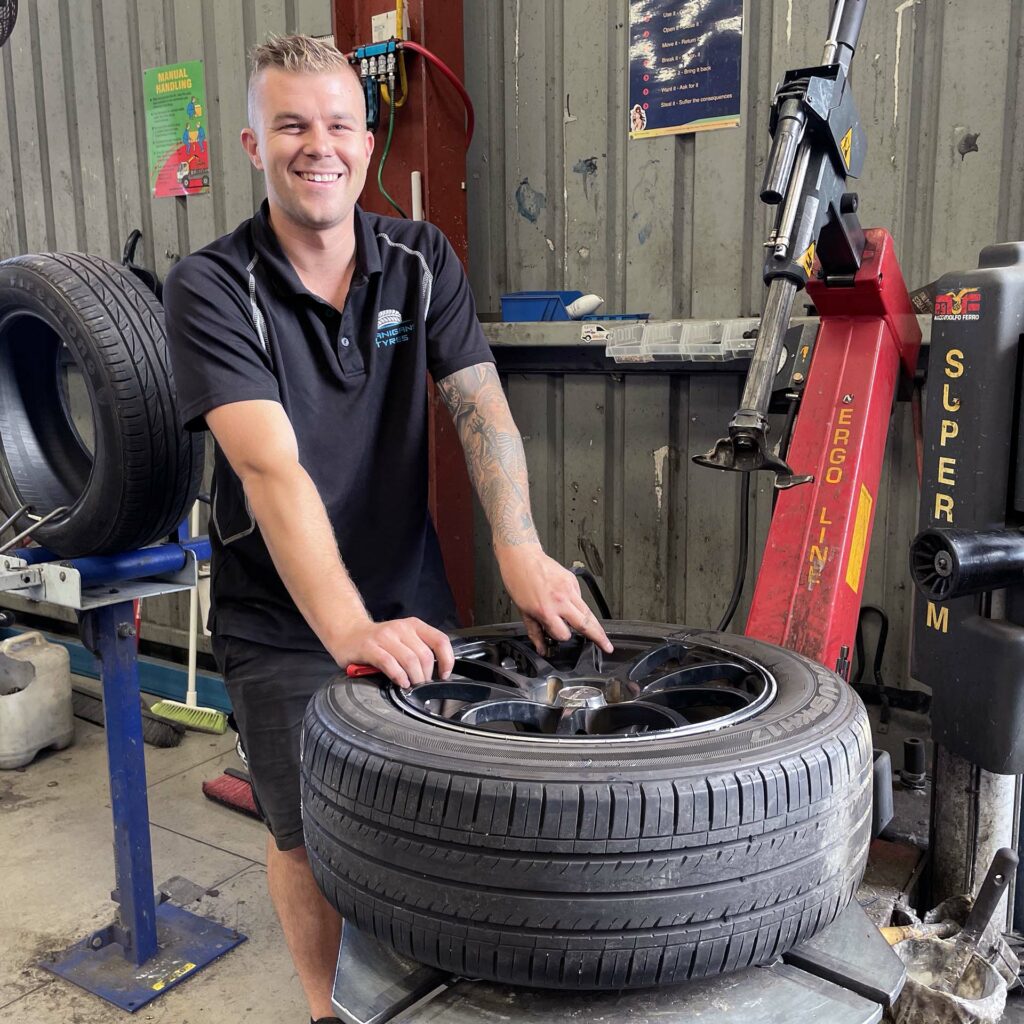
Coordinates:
x,y
559,197
73,138
75,147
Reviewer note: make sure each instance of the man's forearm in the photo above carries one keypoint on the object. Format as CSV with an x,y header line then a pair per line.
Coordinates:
x,y
494,451
286,505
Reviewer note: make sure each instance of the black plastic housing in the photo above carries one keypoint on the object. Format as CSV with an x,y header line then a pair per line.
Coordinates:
x,y
972,657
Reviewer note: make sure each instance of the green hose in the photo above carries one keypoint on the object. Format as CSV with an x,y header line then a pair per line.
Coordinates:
x,y
383,158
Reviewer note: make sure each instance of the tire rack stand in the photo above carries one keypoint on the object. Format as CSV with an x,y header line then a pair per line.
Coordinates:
x,y
151,945
846,974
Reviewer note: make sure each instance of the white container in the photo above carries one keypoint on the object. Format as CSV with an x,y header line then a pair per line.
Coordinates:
x,y
35,698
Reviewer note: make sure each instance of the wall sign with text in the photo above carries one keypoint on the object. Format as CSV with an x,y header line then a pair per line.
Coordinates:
x,y
176,122
684,65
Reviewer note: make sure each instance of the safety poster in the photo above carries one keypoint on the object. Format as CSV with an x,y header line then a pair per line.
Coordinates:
x,y
684,65
176,129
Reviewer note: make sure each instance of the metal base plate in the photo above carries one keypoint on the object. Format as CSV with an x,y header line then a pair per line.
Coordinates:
x,y
846,974
187,943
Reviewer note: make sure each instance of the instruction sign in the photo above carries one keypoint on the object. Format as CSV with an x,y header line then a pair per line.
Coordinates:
x,y
179,146
684,66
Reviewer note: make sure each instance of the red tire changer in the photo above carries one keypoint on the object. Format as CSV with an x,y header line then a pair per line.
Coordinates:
x,y
808,592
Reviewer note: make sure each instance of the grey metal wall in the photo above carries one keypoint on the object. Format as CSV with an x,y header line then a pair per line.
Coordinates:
x,y
73,137
560,197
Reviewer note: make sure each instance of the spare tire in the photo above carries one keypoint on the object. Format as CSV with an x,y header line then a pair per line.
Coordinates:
x,y
79,329
694,804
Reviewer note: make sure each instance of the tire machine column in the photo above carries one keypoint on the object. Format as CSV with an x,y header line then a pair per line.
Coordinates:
x,y
968,566
808,591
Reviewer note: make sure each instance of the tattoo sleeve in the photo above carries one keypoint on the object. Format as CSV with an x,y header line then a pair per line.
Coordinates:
x,y
494,451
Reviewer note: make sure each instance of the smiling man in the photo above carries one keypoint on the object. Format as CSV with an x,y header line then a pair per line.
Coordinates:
x,y
303,340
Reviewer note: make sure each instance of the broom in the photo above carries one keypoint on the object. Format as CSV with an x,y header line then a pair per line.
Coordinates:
x,y
189,713
87,704
232,789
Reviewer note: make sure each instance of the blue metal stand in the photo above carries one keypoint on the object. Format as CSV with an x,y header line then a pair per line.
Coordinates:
x,y
149,947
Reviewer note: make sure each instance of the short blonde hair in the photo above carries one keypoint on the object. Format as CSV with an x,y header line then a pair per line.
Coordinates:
x,y
298,54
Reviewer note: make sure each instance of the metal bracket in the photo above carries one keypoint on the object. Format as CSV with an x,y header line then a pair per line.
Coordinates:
x,y
60,583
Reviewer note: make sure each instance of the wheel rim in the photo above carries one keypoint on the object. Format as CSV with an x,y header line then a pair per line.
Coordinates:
x,y
649,687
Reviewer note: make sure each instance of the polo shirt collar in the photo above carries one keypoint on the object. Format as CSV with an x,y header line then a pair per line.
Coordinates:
x,y
282,273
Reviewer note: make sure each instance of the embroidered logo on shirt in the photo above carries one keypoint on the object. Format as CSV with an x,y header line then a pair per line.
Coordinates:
x,y
392,329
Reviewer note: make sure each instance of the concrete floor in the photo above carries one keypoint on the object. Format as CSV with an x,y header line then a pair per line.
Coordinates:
x,y
55,851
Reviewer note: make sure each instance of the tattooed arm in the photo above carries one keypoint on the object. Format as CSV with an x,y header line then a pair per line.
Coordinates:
x,y
546,593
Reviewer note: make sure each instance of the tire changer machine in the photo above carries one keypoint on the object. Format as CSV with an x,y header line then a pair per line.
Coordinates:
x,y
809,588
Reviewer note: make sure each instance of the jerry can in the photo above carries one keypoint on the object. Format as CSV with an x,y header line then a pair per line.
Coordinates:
x,y
35,698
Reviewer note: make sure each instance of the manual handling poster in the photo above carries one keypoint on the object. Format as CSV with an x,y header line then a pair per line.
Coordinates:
x,y
176,119
684,66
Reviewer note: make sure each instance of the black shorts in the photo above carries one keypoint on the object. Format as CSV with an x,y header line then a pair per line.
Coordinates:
x,y
269,688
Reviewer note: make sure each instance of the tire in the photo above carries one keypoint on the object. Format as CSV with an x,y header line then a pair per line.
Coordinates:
x,y
142,474
593,863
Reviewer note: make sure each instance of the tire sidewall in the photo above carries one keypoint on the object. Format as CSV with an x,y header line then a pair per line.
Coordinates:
x,y
23,289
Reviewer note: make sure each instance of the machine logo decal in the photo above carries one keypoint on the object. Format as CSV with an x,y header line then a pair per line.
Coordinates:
x,y
947,460
822,551
962,305
846,145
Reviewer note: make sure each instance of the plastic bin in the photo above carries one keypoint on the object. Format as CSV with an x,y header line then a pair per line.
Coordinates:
x,y
546,305
35,698
686,341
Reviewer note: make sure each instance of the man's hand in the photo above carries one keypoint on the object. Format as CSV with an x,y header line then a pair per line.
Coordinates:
x,y
547,596
403,649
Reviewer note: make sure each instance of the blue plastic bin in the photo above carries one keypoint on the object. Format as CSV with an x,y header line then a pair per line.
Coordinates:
x,y
536,305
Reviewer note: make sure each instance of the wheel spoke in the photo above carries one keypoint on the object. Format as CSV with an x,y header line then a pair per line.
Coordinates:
x,y
572,722
590,662
529,654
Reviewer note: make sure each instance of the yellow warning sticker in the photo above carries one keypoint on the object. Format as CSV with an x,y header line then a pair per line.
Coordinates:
x,y
807,260
859,544
846,145
174,976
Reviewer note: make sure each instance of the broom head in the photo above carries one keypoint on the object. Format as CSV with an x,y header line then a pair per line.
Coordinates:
x,y
200,719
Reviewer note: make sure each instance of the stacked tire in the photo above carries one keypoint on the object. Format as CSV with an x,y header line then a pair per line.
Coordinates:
x,y
135,478
592,863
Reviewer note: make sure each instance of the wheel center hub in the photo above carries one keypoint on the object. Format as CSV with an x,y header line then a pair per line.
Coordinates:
x,y
580,697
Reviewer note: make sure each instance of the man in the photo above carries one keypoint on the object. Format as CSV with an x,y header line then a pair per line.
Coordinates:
x,y
303,340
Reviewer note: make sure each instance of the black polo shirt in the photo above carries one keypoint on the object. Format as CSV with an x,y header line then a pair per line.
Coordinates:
x,y
242,326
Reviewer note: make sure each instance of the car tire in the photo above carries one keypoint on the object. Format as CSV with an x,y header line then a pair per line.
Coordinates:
x,y
592,863
136,481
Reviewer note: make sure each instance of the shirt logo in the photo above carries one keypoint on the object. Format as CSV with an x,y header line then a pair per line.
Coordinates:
x,y
392,329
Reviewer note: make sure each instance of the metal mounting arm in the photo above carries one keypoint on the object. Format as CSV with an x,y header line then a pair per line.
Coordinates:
x,y
817,143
